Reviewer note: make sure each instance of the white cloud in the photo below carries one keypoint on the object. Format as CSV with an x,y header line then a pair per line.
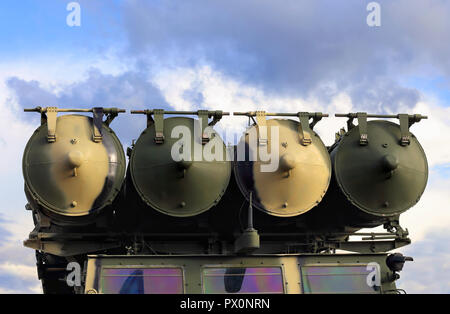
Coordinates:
x,y
24,272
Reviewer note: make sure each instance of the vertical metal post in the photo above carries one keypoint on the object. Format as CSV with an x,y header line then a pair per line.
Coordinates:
x,y
250,213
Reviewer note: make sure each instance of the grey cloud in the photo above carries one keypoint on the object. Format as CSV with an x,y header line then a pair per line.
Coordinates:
x,y
129,90
31,93
295,46
381,93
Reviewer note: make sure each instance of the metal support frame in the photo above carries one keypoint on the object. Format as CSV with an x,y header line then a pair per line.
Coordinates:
x,y
405,120
49,117
304,117
156,117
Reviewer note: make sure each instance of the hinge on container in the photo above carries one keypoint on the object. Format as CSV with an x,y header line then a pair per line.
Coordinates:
x,y
405,123
49,116
97,124
158,120
362,124
158,117
261,122
404,129
304,130
203,118
52,112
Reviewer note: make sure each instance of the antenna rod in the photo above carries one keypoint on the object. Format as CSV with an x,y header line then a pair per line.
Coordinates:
x,y
250,213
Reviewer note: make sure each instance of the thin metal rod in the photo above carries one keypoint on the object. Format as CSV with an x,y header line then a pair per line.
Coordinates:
x,y
44,110
387,116
280,114
250,212
175,112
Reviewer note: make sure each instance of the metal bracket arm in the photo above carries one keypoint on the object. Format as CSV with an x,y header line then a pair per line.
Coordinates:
x,y
97,124
304,130
158,117
405,123
52,112
203,116
261,122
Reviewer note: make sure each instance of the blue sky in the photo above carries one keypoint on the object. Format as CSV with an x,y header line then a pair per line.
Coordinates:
x,y
231,55
36,25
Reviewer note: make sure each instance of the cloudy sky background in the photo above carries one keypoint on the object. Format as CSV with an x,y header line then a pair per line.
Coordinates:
x,y
231,55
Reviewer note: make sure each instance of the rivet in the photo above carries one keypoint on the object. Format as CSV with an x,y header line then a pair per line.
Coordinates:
x,y
74,204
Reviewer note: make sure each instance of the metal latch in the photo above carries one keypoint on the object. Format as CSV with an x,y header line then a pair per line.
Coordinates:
x,y
51,124
98,121
362,124
158,116
203,116
305,138
261,123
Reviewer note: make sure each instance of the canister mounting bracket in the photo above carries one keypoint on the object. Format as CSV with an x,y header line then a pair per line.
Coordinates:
x,y
156,117
406,121
304,117
49,116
